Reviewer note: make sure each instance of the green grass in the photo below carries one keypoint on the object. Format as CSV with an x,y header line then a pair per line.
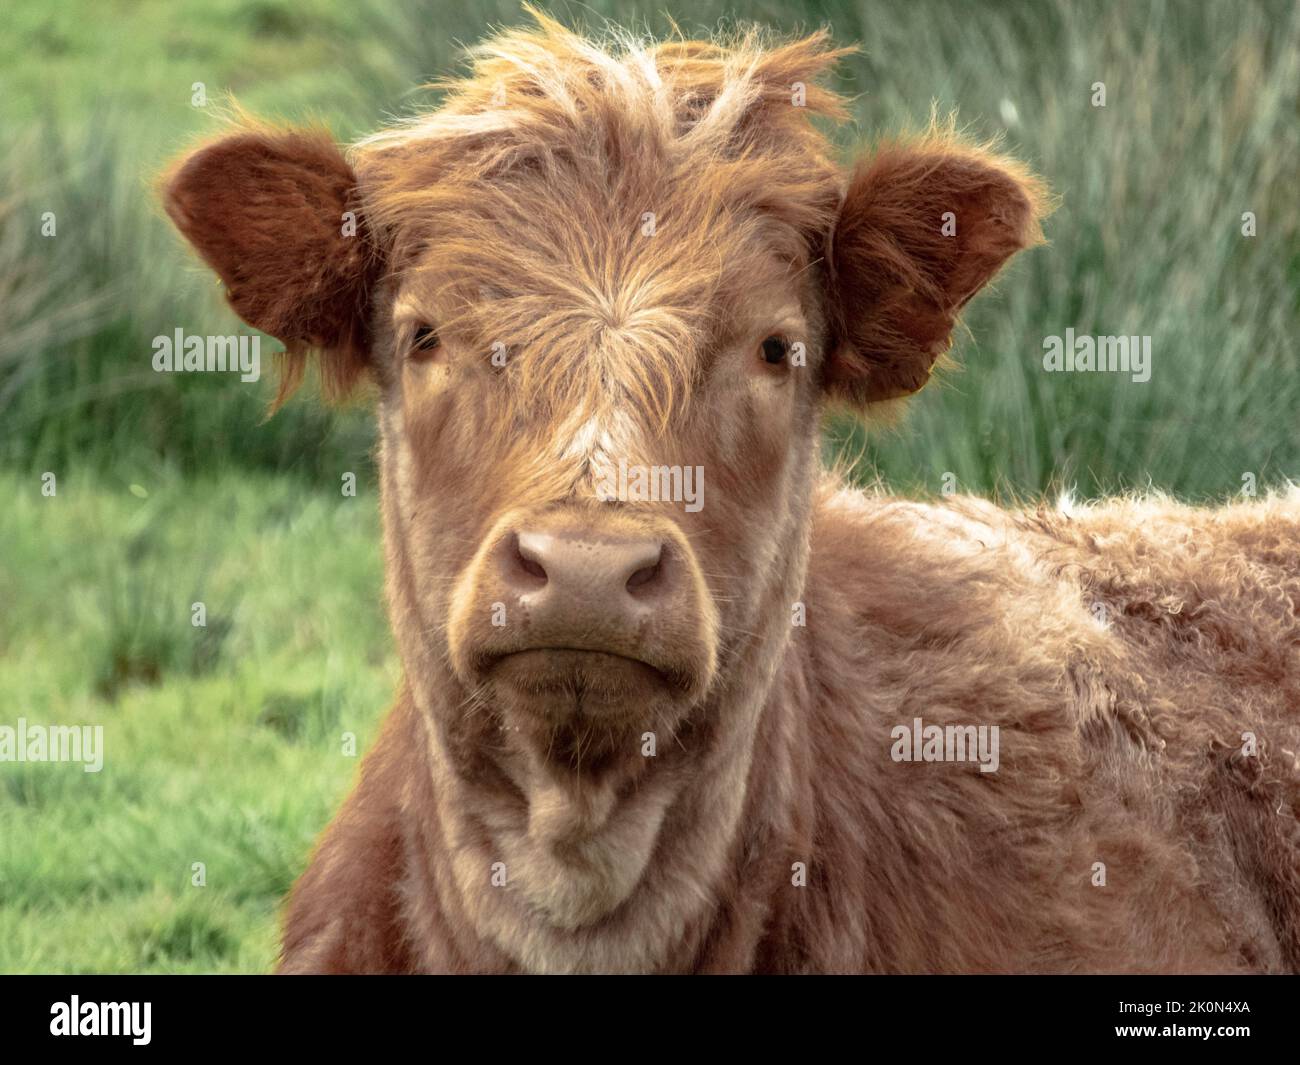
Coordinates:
x,y
223,743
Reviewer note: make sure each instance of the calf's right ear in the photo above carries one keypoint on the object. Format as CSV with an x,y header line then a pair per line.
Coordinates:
x,y
276,214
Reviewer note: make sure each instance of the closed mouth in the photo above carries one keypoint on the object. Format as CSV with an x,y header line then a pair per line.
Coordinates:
x,y
562,668
573,660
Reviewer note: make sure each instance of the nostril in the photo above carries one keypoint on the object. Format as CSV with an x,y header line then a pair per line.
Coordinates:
x,y
643,576
525,553
532,568
648,570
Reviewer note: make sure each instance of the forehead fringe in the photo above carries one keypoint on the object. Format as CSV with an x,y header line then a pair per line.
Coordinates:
x,y
532,180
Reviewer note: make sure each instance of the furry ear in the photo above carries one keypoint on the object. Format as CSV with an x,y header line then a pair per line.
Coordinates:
x,y
923,226
268,211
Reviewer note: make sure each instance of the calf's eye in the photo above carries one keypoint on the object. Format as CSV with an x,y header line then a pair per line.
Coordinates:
x,y
774,350
424,342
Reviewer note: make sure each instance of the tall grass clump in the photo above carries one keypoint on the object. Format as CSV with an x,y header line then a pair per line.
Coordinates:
x,y
1199,127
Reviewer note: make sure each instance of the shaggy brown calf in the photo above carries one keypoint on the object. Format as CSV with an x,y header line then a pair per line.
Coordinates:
x,y
674,699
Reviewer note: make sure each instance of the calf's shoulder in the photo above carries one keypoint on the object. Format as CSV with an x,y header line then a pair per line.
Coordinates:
x,y
346,912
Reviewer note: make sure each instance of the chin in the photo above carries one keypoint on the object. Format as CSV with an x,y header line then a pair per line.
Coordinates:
x,y
585,710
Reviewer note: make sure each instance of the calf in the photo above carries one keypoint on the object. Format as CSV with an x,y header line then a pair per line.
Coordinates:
x,y
675,699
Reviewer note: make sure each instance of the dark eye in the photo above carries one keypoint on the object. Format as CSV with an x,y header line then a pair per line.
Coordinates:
x,y
424,342
774,350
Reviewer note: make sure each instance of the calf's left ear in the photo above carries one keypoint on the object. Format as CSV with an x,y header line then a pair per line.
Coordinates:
x,y
275,213
923,226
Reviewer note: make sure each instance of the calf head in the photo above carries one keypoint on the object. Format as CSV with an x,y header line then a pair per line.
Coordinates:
x,y
604,295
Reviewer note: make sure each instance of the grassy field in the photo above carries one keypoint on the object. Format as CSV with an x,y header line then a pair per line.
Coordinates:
x,y
224,743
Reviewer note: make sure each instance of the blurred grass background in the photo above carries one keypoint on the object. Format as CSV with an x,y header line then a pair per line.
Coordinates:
x,y
223,743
